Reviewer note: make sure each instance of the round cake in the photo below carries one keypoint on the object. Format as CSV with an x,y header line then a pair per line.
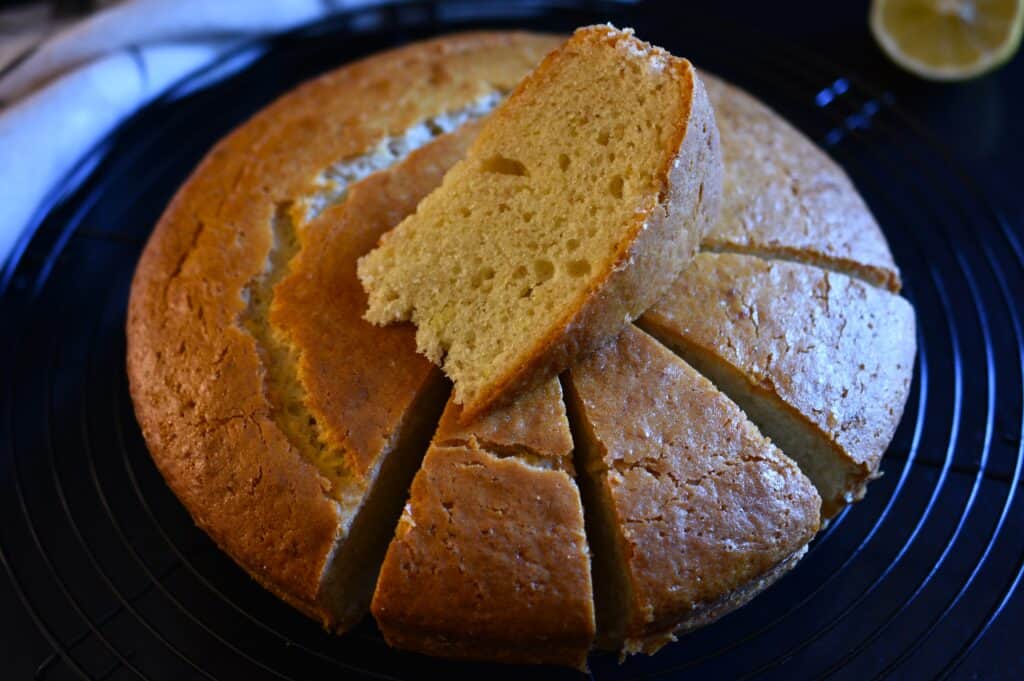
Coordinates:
x,y
656,485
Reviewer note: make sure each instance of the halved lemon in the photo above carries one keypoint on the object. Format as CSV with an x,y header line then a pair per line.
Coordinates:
x,y
948,39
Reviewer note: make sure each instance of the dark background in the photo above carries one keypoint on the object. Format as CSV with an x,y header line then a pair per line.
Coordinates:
x,y
978,123
981,120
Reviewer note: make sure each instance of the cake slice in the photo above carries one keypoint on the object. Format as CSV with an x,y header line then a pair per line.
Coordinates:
x,y
692,512
784,198
490,558
582,197
820,361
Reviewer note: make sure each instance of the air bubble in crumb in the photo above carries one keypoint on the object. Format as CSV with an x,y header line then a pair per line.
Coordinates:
x,y
615,186
578,268
482,278
503,165
544,269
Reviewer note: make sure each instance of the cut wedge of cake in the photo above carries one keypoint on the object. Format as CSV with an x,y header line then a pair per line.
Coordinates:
x,y
820,361
582,197
490,558
784,198
691,511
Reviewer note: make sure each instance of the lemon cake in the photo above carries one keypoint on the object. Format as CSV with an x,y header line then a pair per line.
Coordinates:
x,y
294,431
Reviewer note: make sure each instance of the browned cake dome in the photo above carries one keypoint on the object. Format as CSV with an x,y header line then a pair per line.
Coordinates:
x,y
291,428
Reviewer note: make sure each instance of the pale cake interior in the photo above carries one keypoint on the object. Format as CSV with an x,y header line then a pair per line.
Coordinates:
x,y
541,204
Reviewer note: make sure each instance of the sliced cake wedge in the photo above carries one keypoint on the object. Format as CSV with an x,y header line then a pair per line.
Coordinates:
x,y
692,512
490,558
582,197
786,199
820,361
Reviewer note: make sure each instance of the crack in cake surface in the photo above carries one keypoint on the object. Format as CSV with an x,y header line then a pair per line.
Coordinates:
x,y
527,455
281,385
332,183
799,256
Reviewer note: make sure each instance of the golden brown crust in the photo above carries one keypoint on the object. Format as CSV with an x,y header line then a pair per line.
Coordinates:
x,y
785,198
834,351
657,247
196,375
490,558
703,504
488,563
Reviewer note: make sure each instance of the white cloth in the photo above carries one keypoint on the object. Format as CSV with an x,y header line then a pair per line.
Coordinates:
x,y
79,84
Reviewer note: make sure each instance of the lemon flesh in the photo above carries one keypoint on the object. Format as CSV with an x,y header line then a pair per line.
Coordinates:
x,y
948,39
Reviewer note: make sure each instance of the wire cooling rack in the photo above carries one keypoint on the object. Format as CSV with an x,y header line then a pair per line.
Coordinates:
x,y
110,570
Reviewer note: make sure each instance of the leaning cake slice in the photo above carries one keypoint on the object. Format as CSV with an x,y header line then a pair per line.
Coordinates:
x,y
583,196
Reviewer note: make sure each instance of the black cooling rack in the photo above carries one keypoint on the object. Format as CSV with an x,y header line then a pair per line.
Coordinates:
x,y
110,579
